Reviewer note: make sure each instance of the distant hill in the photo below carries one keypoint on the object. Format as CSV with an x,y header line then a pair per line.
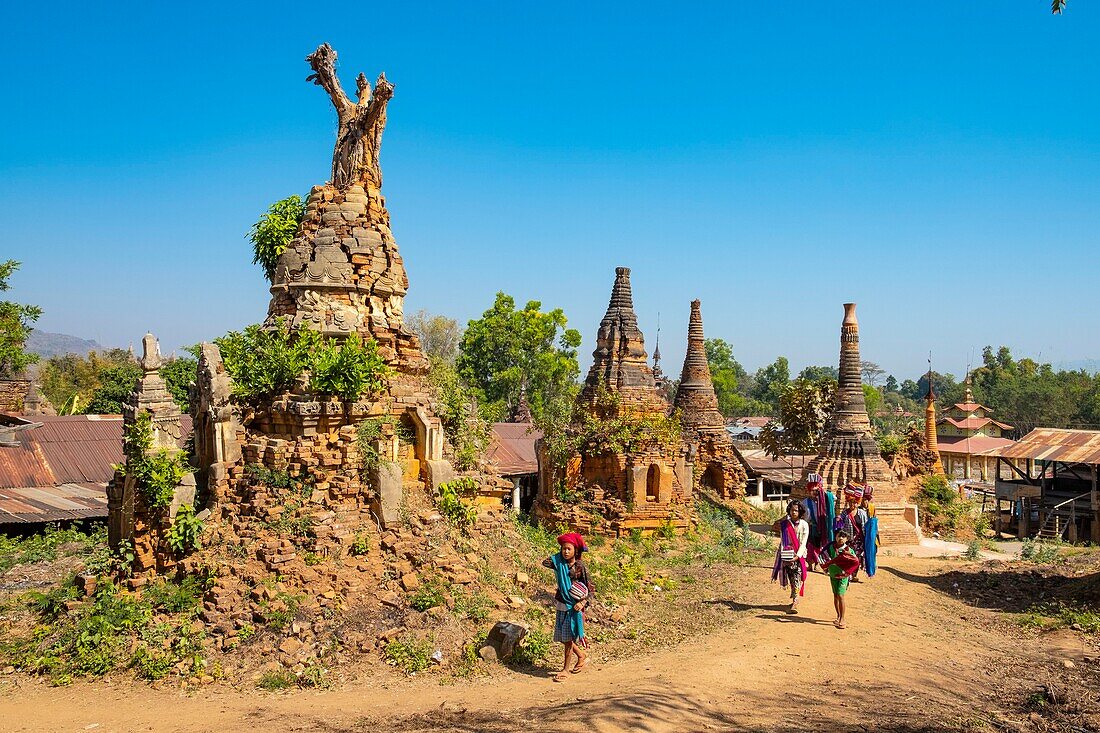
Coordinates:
x,y
47,344
1092,366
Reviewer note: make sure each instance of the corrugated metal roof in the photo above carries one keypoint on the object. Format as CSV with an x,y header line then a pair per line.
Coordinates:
x,y
59,467
51,503
1056,444
973,445
975,423
512,448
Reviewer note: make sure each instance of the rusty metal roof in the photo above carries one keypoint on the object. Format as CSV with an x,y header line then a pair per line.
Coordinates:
x,y
51,503
512,448
57,467
974,445
1057,444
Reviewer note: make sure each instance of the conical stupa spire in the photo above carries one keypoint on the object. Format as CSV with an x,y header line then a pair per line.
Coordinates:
x,y
619,362
931,442
695,396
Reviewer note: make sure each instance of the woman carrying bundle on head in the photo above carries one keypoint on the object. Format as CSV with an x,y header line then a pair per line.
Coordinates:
x,y
573,594
849,521
790,558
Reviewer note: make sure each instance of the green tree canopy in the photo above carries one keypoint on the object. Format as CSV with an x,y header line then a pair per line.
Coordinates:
x,y
274,231
731,382
815,373
771,381
15,326
804,408
507,349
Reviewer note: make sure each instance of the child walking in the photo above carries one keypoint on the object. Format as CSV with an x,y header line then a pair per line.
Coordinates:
x,y
841,566
573,595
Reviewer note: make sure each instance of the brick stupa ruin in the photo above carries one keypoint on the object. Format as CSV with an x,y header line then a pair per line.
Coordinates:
x,y
717,464
645,488
341,275
850,452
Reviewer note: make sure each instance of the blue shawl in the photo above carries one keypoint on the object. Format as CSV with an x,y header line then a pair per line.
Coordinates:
x,y
870,545
565,585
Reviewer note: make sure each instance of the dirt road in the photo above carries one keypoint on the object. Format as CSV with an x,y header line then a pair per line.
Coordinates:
x,y
911,659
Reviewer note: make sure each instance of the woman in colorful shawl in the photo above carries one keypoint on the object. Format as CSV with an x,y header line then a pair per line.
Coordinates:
x,y
824,514
790,558
573,595
849,521
868,524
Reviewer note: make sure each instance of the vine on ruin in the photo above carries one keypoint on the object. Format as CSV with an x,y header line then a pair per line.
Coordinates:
x,y
264,362
156,473
605,430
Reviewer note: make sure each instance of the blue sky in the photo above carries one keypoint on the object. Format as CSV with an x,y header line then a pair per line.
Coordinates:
x,y
773,159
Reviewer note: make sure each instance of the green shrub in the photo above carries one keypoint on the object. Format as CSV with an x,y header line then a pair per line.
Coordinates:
x,y
48,545
475,605
314,676
453,506
264,362
1037,551
360,546
534,649
428,595
185,536
348,369
275,230
408,654
157,473
942,509
182,597
973,550
276,679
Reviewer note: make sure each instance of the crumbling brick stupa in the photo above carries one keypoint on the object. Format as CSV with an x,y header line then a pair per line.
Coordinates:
x,y
850,452
342,275
718,467
646,488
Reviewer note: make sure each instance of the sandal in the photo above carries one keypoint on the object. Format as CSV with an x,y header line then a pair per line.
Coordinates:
x,y
580,665
561,676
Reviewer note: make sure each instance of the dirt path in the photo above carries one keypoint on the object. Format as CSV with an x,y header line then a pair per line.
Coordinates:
x,y
911,659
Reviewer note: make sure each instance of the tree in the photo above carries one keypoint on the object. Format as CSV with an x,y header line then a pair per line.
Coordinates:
x,y
439,335
70,381
508,350
730,381
274,231
178,374
1057,6
891,384
15,326
771,381
910,390
872,372
815,373
873,399
115,383
804,410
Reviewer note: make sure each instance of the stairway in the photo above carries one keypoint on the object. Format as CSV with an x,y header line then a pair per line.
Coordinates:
x,y
893,528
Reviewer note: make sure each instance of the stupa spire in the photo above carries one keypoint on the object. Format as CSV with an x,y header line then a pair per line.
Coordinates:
x,y
695,396
930,440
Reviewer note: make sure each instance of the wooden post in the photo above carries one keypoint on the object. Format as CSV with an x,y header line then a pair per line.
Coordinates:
x,y
1095,507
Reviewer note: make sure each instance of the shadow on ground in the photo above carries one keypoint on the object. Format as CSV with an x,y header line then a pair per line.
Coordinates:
x,y
651,710
1011,587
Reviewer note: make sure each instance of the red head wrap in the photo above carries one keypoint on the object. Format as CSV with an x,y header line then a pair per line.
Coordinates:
x,y
574,539
853,491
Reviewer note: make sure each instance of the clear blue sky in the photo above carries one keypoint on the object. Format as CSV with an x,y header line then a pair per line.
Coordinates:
x,y
772,159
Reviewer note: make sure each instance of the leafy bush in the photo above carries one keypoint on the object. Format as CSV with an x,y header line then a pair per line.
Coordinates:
x,y
156,474
451,503
276,679
1037,551
348,369
534,649
408,654
942,509
186,533
468,422
475,606
973,551
274,231
428,595
48,545
182,597
264,362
